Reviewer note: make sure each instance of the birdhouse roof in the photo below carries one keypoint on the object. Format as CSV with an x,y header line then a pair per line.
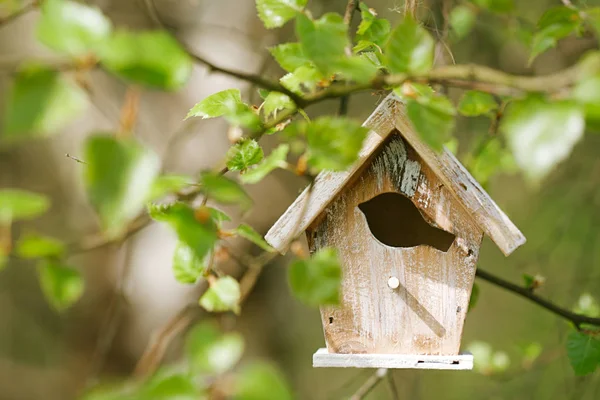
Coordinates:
x,y
389,117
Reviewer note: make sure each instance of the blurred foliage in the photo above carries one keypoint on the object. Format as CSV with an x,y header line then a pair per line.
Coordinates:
x,y
532,129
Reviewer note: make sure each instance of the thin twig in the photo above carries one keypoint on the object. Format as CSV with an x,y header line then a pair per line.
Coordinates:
x,y
161,338
369,384
576,319
19,13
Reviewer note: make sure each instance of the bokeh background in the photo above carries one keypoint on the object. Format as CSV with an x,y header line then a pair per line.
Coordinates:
x,y
130,288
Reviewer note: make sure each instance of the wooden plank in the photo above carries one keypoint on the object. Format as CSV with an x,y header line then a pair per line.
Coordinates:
x,y
425,313
467,190
328,184
323,359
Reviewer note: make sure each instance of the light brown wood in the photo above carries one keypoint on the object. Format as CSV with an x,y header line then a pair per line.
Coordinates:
x,y
425,314
389,115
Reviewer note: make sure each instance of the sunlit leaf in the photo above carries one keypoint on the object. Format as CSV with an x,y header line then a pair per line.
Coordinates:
x,y
36,246
17,204
151,58
556,23
491,159
62,285
168,184
40,102
410,48
119,175
222,295
316,281
71,27
276,101
198,233
227,103
541,134
275,13
244,154
211,351
170,387
324,40
290,56
277,159
583,351
355,68
303,79
432,116
372,29
247,232
218,216
334,143
187,267
587,93
587,305
462,20
223,190
474,103
261,381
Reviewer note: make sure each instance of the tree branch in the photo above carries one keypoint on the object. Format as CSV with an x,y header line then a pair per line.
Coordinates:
x,y
576,319
20,12
369,384
348,14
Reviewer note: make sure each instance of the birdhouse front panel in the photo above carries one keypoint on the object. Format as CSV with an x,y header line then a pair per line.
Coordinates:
x,y
408,250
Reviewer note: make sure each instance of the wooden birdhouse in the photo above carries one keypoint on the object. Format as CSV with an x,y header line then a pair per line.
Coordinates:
x,y
407,224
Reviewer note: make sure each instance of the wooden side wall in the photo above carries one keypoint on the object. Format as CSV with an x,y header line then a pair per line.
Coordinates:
x,y
425,314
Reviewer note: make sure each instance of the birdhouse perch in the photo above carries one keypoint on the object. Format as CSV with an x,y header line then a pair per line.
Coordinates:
x,y
407,224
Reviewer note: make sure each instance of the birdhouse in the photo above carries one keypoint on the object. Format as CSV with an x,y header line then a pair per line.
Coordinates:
x,y
407,224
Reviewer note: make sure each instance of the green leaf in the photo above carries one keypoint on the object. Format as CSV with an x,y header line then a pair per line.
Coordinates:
x,y
492,158
432,116
223,190
261,381
170,387
462,20
355,68
323,41
119,175
62,285
187,267
587,93
199,234
334,143
151,58
16,205
247,232
244,154
222,295
168,184
36,246
211,351
275,13
40,102
218,216
316,281
555,24
410,48
227,103
584,352
72,28
277,159
276,101
541,134
304,79
474,103
372,29
290,56
474,296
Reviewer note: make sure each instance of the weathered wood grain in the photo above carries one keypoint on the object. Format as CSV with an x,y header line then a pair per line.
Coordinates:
x,y
389,115
322,358
425,314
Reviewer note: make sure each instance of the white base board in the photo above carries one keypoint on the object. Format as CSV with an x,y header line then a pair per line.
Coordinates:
x,y
323,359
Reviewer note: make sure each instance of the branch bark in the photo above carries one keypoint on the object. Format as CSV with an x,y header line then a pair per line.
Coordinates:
x,y
19,13
574,318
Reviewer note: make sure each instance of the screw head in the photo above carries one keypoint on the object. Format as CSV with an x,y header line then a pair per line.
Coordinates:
x,y
393,282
